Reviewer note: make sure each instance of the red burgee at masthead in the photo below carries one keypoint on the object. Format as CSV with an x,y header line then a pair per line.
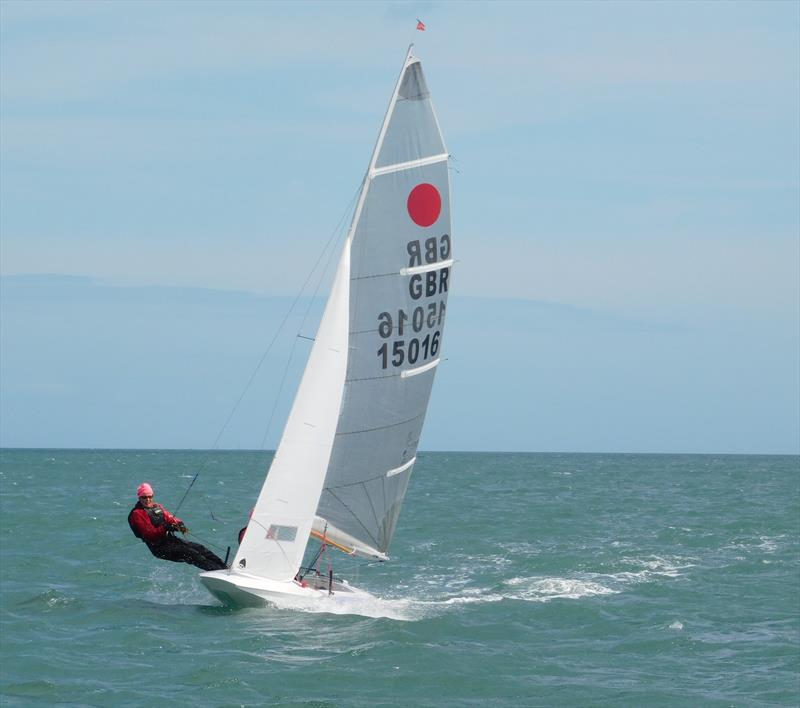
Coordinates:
x,y
420,25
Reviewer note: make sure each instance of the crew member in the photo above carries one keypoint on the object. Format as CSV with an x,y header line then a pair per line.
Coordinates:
x,y
156,527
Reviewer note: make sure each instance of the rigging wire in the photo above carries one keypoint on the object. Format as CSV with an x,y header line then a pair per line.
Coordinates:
x,y
332,239
194,479
311,299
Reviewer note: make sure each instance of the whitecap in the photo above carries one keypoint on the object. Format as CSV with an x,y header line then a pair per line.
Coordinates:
x,y
768,544
544,589
654,566
763,543
477,598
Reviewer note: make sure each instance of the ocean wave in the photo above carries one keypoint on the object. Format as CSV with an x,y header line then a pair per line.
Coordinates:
x,y
653,567
455,589
168,586
769,544
531,589
50,600
32,690
546,589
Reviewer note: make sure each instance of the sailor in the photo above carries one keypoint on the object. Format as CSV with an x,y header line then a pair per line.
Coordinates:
x,y
156,527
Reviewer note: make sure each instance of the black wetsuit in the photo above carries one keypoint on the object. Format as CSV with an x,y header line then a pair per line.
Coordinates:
x,y
172,548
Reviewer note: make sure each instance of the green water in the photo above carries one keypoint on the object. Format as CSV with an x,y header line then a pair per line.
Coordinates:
x,y
515,580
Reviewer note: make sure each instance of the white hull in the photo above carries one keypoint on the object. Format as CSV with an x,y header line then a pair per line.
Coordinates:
x,y
241,590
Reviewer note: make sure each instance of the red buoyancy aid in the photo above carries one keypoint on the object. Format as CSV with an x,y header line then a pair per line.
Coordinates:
x,y
151,523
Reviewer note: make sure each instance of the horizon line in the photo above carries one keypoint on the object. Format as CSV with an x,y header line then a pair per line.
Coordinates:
x,y
4,448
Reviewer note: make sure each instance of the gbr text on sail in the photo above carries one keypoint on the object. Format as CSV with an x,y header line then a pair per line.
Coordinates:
x,y
412,336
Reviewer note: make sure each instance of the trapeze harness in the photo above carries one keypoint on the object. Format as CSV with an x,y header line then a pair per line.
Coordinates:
x,y
156,514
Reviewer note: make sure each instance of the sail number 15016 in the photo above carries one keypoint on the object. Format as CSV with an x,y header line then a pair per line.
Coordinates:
x,y
428,346
415,348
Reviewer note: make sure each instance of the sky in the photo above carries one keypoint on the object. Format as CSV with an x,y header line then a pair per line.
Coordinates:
x,y
626,216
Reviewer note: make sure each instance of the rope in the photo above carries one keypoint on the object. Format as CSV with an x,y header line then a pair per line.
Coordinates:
x,y
204,542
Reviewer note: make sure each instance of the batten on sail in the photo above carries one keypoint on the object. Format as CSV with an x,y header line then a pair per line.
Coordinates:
x,y
402,468
422,162
427,267
420,369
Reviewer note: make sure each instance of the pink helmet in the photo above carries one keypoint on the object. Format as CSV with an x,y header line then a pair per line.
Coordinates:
x,y
144,490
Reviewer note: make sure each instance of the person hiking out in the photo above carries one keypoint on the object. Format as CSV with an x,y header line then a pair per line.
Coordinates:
x,y
152,523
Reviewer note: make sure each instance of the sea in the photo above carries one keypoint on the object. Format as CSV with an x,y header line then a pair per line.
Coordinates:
x,y
514,580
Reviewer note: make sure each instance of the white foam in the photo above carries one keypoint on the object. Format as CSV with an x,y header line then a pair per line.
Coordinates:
x,y
170,585
545,589
768,544
447,592
374,607
654,567
763,543
474,599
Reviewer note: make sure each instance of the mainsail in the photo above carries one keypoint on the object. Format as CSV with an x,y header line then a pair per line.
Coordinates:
x,y
345,458
401,256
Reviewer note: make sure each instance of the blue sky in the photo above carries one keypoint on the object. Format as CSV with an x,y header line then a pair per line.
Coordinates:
x,y
626,215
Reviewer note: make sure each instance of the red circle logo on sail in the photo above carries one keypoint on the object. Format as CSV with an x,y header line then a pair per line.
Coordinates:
x,y
424,204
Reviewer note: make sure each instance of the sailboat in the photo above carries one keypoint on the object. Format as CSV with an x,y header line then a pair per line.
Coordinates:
x,y
344,460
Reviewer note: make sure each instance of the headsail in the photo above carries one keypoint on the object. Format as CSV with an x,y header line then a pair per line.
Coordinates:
x,y
279,527
400,264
